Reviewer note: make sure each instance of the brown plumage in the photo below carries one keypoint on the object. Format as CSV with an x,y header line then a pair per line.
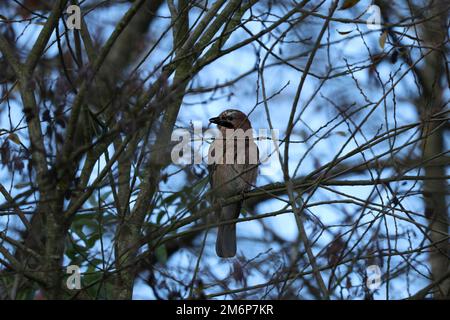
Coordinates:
x,y
236,173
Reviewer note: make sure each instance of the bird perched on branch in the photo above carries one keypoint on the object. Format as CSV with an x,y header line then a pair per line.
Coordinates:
x,y
233,166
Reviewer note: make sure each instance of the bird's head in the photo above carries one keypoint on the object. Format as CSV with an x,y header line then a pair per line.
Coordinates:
x,y
232,119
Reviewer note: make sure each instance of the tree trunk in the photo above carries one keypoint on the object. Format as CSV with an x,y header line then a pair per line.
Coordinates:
x,y
430,104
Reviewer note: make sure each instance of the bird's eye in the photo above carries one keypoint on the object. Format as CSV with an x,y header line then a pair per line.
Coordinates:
x,y
229,118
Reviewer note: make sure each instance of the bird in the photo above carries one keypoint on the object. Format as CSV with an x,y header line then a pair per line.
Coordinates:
x,y
231,174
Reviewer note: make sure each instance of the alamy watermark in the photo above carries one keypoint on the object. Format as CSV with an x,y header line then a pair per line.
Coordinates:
x,y
74,280
74,19
375,19
196,146
373,22
373,277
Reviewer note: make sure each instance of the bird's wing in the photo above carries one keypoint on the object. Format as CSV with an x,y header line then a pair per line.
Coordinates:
x,y
252,167
211,170
211,166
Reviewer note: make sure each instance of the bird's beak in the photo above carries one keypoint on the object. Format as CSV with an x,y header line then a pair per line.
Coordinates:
x,y
221,122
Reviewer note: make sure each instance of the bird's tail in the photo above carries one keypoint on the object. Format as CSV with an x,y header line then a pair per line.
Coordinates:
x,y
226,235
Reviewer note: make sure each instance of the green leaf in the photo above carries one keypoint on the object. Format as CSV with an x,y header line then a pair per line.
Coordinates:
x,y
161,254
75,252
171,199
159,217
92,240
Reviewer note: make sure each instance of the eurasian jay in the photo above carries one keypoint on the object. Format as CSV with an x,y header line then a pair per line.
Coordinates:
x,y
232,173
